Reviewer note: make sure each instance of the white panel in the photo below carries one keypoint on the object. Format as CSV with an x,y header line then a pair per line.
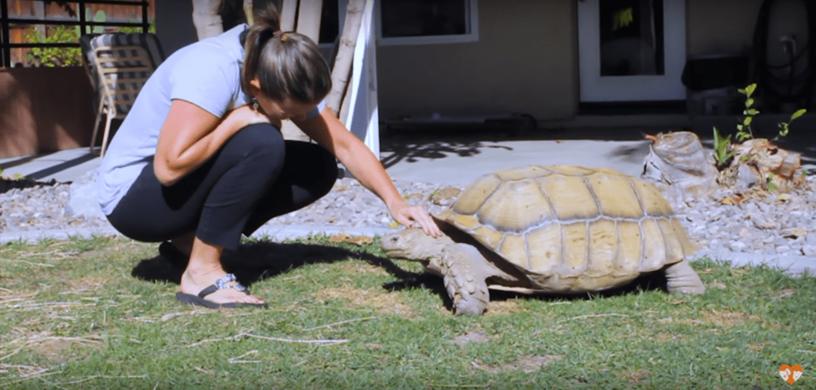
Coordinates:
x,y
595,88
363,117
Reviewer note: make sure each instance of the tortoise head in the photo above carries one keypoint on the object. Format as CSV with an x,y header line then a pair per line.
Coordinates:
x,y
413,244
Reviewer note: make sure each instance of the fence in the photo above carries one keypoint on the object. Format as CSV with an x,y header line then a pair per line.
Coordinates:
x,y
38,25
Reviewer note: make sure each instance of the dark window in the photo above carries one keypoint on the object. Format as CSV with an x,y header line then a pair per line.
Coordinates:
x,y
631,37
412,18
329,21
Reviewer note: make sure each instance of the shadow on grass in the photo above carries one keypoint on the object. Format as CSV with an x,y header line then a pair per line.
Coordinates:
x,y
647,282
257,261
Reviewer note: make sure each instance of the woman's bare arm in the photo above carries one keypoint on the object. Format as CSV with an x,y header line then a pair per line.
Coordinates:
x,y
330,133
191,135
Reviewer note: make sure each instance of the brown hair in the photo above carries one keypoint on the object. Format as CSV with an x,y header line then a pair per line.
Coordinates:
x,y
287,64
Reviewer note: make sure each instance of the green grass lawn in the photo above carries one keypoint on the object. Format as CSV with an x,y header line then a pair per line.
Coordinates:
x,y
102,314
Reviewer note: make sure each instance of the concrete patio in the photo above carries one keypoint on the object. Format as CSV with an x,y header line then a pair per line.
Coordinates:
x,y
434,161
457,156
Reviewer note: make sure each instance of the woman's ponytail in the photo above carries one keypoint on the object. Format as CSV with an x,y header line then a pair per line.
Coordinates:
x,y
267,17
265,24
287,64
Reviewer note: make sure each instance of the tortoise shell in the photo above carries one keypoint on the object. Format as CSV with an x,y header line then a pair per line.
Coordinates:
x,y
571,228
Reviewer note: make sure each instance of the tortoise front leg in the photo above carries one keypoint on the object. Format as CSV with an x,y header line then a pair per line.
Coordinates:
x,y
465,271
681,279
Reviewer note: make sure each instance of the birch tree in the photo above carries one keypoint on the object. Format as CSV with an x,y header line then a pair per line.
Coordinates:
x,y
206,18
248,12
345,54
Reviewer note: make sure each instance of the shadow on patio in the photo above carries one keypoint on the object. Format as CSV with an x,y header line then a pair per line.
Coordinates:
x,y
408,146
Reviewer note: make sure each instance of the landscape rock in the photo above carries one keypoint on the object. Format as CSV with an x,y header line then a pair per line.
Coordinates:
x,y
82,201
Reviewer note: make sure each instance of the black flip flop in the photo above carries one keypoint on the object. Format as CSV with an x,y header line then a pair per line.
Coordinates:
x,y
226,281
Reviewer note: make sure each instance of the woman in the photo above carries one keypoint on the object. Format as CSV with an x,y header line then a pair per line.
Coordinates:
x,y
199,160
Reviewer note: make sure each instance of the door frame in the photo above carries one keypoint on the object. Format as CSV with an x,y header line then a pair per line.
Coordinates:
x,y
596,88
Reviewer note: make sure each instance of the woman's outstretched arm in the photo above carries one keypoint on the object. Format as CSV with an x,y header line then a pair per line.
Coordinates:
x,y
330,133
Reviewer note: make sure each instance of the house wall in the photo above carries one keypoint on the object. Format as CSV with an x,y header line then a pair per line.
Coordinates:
x,y
471,78
44,109
524,61
526,58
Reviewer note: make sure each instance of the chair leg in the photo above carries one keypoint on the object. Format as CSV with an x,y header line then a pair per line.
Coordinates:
x,y
96,125
108,120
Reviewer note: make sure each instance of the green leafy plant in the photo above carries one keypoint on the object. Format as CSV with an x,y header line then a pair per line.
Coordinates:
x,y
723,148
15,177
744,131
55,56
723,153
770,184
784,127
101,17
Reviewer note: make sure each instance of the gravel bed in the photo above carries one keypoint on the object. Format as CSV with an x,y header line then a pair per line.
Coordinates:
x,y
772,225
64,206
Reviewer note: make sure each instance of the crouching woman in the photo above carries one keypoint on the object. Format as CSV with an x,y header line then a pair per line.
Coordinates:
x,y
200,160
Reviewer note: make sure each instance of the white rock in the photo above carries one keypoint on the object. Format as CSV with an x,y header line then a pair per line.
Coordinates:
x,y
82,201
737,246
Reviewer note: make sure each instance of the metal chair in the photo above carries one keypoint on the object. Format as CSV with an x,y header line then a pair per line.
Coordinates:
x,y
118,65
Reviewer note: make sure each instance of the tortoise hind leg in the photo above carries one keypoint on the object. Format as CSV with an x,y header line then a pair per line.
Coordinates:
x,y
681,279
465,272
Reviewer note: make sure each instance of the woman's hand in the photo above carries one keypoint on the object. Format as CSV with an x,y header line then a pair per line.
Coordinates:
x,y
414,216
333,135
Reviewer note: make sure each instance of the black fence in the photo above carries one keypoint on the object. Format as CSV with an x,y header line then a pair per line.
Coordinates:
x,y
85,25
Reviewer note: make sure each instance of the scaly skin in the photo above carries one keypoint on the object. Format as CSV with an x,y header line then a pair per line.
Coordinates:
x,y
465,272
462,267
681,279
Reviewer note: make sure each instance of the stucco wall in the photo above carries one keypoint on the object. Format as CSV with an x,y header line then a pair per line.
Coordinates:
x,y
44,109
524,61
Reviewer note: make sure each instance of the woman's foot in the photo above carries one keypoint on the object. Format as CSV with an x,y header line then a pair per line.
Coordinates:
x,y
215,286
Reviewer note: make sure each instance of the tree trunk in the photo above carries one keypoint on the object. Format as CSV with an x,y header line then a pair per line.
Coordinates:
x,y
308,21
206,18
288,15
345,54
249,14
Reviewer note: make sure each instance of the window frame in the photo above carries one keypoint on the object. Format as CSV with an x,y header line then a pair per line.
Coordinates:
x,y
472,19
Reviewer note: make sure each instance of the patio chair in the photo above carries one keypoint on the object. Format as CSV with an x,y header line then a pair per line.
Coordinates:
x,y
118,65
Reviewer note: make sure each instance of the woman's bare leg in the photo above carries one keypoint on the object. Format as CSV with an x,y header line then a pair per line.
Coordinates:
x,y
203,269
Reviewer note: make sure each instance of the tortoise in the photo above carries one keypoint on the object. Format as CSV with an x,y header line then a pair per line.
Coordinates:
x,y
562,229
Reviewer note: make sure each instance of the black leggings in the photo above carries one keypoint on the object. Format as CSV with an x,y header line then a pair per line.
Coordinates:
x,y
254,177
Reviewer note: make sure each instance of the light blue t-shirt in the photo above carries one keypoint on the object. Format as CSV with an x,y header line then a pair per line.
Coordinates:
x,y
206,73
